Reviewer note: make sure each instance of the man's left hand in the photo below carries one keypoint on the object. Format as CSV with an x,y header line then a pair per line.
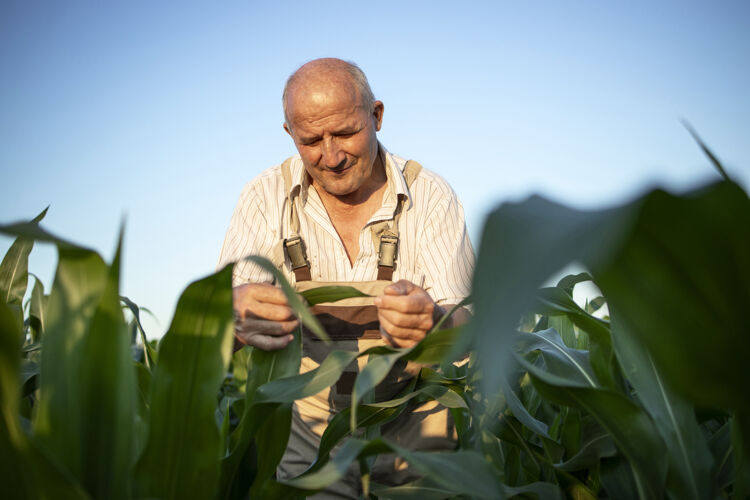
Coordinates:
x,y
406,313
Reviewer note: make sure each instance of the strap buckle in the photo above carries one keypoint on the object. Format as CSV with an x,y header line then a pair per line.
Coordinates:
x,y
296,251
387,251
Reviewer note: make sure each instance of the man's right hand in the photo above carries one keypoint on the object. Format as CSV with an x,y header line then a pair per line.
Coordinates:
x,y
262,315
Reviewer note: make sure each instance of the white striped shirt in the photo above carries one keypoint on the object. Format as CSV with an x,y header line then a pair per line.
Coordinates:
x,y
434,251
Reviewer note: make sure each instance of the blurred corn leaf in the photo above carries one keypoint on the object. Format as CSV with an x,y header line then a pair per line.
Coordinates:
x,y
180,459
106,398
460,472
25,471
37,306
14,270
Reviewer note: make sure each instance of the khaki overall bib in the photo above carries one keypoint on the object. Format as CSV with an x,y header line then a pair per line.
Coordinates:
x,y
352,325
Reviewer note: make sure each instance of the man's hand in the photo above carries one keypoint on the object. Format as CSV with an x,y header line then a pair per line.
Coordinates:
x,y
406,313
263,318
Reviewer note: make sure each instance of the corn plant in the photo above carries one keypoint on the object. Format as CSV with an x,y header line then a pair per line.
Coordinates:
x,y
641,394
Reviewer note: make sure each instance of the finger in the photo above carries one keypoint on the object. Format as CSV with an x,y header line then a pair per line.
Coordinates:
x,y
421,321
402,336
264,327
265,342
270,294
410,304
387,337
273,312
401,287
259,292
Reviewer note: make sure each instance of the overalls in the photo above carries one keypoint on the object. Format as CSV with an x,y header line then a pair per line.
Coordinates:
x,y
352,324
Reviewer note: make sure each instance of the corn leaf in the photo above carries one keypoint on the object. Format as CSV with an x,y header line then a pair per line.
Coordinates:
x,y
79,283
263,367
25,472
148,351
14,269
37,305
180,459
689,457
675,267
323,294
422,489
460,472
297,305
631,428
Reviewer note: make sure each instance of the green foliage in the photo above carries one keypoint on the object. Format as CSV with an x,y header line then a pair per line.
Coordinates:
x,y
638,393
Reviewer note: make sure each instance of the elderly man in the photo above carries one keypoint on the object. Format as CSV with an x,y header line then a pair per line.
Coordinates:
x,y
345,210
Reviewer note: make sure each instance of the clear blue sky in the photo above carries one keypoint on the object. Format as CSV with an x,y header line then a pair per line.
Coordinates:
x,y
160,112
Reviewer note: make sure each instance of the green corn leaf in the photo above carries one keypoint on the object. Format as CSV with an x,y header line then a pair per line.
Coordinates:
x,y
442,395
631,428
25,471
689,457
323,294
273,431
715,161
14,267
271,442
683,273
141,412
338,428
297,305
741,446
435,347
149,353
263,367
721,449
460,472
519,410
595,304
181,455
80,281
617,479
674,267
371,375
596,443
539,488
37,305
568,283
554,302
106,396
565,327
287,390
561,360
422,489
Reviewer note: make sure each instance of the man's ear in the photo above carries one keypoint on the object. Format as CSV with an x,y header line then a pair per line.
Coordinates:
x,y
288,131
377,113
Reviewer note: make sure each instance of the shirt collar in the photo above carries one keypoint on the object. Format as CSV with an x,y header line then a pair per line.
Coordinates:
x,y
397,187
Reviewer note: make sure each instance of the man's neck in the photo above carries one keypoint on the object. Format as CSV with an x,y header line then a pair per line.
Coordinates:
x,y
370,193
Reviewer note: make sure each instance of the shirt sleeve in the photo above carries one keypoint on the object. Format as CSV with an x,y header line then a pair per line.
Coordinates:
x,y
249,234
445,253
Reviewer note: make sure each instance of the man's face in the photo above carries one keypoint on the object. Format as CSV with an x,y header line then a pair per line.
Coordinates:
x,y
335,136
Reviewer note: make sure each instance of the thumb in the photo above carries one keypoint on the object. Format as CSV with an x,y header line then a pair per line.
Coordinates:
x,y
400,287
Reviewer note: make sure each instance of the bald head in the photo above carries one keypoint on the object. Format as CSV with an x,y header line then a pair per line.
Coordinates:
x,y
328,73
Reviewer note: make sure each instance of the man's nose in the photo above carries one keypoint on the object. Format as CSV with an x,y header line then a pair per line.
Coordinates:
x,y
332,154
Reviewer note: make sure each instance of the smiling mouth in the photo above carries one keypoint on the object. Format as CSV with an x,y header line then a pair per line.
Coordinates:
x,y
339,169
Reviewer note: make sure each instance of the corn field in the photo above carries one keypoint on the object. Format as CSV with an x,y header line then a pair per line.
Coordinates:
x,y
639,393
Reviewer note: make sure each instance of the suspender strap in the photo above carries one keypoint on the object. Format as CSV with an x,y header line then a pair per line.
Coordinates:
x,y
384,234
387,234
294,246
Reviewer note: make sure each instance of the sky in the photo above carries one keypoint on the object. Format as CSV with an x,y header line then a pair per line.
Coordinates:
x,y
158,113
